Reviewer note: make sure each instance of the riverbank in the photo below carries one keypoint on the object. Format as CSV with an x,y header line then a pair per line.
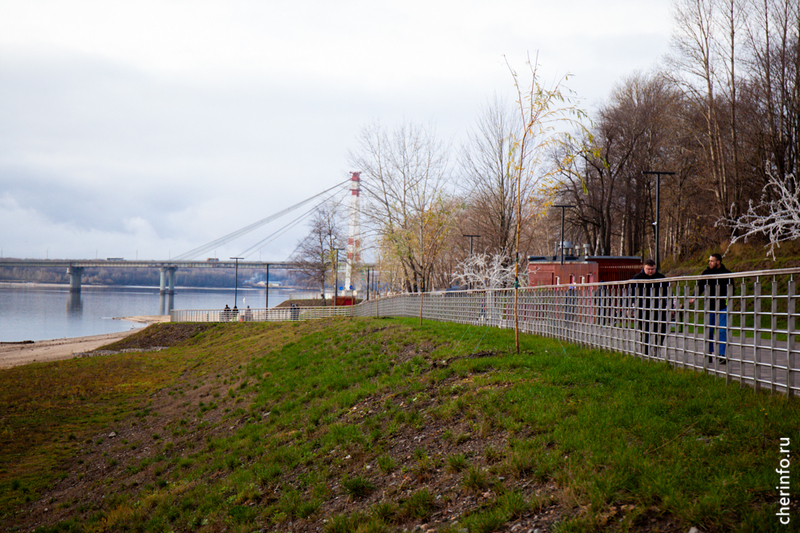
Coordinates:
x,y
21,353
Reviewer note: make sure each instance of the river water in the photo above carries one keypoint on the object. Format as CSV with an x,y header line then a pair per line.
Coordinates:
x,y
41,312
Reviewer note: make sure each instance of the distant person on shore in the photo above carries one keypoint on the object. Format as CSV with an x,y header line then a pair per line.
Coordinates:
x,y
716,304
651,300
226,313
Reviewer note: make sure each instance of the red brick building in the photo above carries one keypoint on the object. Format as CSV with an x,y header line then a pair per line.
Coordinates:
x,y
549,271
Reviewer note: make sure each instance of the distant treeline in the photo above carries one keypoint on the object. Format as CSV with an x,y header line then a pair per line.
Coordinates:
x,y
192,277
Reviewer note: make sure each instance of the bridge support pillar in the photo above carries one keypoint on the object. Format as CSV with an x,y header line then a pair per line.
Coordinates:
x,y
167,285
74,273
166,303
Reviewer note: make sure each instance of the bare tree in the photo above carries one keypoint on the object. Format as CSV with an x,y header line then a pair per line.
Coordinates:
x,y
774,45
728,103
636,131
732,19
316,251
489,183
405,178
695,68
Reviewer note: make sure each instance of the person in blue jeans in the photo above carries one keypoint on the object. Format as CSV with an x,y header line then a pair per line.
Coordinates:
x,y
716,304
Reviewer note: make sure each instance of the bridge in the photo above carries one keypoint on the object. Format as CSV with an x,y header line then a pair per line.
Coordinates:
x,y
75,267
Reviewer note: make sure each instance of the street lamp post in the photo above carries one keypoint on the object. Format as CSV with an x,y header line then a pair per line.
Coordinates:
x,y
266,286
658,208
561,244
236,279
336,278
470,237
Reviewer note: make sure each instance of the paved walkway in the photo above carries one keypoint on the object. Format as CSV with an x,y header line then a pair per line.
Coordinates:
x,y
762,365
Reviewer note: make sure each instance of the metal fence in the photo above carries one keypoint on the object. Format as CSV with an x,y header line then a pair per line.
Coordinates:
x,y
275,314
740,326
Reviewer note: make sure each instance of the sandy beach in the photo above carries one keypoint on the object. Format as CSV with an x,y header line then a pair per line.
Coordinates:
x,y
15,354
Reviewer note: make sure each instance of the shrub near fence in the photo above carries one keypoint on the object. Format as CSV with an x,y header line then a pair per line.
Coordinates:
x,y
761,348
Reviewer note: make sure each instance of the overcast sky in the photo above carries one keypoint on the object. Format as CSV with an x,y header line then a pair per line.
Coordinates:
x,y
146,129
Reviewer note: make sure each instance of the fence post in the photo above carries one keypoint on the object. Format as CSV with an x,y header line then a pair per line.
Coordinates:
x,y
791,330
683,318
698,323
756,333
773,334
742,331
727,302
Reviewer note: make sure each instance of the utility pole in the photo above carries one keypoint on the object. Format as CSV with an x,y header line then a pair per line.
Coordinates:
x,y
266,285
470,237
236,278
658,174
561,244
336,277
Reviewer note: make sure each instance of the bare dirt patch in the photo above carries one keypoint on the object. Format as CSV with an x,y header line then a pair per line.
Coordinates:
x,y
159,336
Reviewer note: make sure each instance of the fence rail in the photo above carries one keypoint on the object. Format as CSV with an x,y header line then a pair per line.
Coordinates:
x,y
740,326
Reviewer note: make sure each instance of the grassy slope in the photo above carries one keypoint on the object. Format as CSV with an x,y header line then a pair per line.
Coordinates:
x,y
379,425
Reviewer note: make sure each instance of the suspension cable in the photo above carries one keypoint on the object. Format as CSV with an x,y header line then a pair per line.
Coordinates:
x,y
268,239
200,250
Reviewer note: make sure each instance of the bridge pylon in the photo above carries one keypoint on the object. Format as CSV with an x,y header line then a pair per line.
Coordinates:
x,y
167,284
74,273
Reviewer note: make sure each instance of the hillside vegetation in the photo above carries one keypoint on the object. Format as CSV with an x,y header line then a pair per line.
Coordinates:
x,y
740,257
378,425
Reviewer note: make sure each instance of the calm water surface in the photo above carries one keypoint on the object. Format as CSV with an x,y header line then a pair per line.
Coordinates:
x,y
41,312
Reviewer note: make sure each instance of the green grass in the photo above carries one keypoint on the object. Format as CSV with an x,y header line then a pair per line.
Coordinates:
x,y
457,462
357,487
377,425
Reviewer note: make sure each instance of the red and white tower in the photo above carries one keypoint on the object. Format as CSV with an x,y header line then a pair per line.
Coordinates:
x,y
354,236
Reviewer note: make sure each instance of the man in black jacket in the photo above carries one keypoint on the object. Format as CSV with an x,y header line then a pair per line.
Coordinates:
x,y
716,304
652,303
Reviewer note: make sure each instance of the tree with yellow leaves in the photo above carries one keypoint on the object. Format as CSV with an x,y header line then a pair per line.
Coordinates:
x,y
547,115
